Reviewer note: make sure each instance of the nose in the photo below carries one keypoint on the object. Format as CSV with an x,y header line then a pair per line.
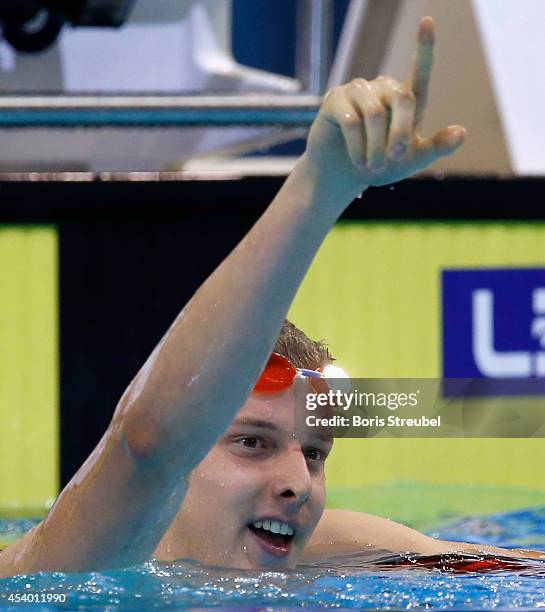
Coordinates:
x,y
292,480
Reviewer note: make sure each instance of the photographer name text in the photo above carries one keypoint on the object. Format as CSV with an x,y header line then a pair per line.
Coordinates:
x,y
356,420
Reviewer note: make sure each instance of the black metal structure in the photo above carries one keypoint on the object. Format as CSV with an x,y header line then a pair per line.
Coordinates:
x,y
33,25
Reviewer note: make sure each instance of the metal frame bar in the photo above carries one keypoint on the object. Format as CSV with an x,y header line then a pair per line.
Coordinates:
x,y
149,111
365,37
314,44
313,58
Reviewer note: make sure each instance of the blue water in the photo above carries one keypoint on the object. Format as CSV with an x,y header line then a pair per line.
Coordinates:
x,y
346,581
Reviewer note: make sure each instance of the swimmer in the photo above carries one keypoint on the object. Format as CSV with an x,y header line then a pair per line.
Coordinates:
x,y
195,463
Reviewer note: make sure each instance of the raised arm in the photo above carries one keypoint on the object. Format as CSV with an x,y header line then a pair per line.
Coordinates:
x,y
120,502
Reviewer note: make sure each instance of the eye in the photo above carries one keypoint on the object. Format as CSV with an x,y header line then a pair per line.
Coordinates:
x,y
315,454
250,442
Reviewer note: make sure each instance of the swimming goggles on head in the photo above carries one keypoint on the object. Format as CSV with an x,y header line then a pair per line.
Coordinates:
x,y
279,374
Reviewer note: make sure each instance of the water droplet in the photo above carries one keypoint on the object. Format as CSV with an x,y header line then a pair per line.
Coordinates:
x,y
392,187
360,195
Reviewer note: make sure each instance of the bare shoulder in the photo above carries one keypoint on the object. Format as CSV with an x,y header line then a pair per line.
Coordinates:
x,y
346,530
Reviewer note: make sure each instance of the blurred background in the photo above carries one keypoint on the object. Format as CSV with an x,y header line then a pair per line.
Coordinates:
x,y
140,139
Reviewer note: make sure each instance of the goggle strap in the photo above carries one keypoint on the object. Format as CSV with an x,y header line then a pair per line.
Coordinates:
x,y
310,373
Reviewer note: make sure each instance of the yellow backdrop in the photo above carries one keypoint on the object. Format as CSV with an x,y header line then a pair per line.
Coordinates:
x,y
374,293
29,381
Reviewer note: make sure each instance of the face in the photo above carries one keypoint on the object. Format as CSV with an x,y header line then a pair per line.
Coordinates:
x,y
262,476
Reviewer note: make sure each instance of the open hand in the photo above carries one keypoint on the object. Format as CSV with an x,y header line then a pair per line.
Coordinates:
x,y
367,132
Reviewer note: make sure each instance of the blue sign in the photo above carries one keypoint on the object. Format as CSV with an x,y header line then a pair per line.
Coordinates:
x,y
494,323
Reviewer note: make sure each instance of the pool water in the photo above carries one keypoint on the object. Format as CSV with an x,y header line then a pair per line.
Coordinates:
x,y
345,581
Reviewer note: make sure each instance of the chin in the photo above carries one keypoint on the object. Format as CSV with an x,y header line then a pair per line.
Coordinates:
x,y
273,565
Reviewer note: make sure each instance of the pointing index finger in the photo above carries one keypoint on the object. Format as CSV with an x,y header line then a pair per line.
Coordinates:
x,y
419,76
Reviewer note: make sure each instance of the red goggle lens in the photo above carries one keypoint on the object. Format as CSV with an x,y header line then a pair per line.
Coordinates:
x,y
277,375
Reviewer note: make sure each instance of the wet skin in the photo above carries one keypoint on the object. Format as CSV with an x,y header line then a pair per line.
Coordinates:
x,y
263,467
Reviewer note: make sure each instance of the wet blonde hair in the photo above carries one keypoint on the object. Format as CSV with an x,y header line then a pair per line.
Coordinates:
x,y
303,352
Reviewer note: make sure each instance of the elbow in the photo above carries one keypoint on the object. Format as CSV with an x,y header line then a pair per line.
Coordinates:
x,y
141,436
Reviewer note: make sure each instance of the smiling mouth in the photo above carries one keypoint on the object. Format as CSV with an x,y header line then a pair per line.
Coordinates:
x,y
277,543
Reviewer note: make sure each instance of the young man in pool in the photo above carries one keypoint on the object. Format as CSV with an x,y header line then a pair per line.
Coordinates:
x,y
193,463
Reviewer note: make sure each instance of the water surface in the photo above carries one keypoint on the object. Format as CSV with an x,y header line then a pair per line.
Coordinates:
x,y
344,581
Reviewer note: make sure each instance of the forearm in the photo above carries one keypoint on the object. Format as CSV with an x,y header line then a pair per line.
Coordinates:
x,y
518,553
345,530
200,374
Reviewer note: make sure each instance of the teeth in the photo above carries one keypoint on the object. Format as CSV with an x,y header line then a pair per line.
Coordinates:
x,y
274,527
